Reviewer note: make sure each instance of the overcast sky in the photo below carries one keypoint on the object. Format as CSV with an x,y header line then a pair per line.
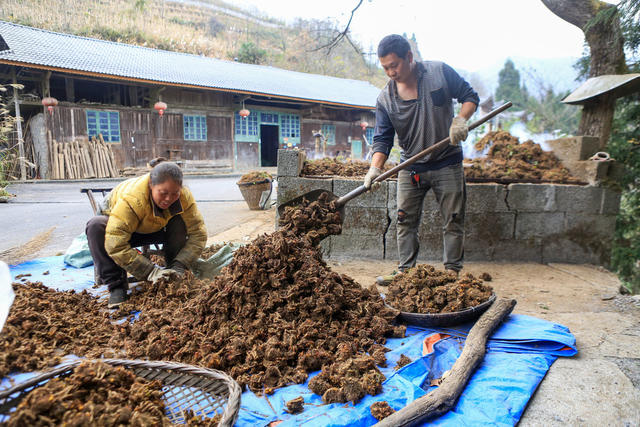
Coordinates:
x,y
467,34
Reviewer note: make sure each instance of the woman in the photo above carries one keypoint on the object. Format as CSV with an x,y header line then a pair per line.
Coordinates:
x,y
153,208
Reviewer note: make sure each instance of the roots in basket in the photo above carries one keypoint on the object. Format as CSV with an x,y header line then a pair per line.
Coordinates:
x,y
97,394
423,289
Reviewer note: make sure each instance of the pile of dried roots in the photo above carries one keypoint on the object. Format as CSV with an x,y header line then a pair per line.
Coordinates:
x,y
423,289
334,167
507,158
312,220
276,313
97,394
45,324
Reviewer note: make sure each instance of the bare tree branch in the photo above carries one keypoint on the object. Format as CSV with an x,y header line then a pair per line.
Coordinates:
x,y
341,35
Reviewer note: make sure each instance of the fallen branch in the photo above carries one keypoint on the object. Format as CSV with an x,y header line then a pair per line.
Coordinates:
x,y
446,395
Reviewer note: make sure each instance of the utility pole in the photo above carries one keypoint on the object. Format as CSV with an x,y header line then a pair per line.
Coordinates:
x,y
23,168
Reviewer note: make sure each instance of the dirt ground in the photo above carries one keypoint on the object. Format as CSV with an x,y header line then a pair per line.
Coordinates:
x,y
598,386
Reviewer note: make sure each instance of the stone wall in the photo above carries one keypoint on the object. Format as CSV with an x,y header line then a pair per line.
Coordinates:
x,y
516,222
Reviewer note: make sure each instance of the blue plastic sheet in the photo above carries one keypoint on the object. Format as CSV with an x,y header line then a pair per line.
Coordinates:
x,y
519,354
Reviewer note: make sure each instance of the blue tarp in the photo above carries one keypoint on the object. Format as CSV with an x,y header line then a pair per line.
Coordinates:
x,y
518,357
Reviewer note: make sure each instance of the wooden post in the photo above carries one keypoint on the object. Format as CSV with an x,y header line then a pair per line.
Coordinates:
x,y
23,167
446,395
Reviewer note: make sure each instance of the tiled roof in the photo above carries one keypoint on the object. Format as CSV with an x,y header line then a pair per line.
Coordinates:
x,y
91,56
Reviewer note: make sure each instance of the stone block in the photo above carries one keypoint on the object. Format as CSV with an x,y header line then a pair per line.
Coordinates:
x,y
574,148
610,201
364,220
522,250
357,246
375,199
574,252
392,194
586,238
489,227
617,171
589,171
538,224
602,226
532,197
526,250
291,187
485,198
325,247
579,198
290,162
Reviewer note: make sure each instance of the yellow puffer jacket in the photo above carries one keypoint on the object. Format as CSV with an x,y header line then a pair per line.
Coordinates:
x,y
131,210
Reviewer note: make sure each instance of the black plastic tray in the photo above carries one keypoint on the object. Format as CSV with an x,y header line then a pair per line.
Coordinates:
x,y
445,319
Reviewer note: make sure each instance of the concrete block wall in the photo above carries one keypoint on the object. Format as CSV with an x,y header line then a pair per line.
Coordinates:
x,y
516,222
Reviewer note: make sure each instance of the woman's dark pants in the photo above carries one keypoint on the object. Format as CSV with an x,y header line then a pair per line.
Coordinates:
x,y
173,238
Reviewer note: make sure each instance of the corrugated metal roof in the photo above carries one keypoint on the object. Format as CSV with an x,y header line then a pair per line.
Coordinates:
x,y
47,49
616,84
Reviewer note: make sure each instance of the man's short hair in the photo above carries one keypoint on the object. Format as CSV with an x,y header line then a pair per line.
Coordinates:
x,y
393,43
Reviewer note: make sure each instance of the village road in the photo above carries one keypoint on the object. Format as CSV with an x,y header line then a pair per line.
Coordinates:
x,y
41,206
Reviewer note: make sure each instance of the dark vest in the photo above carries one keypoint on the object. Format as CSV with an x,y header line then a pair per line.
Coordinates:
x,y
422,122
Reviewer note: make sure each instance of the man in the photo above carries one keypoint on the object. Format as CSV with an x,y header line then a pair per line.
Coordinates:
x,y
416,104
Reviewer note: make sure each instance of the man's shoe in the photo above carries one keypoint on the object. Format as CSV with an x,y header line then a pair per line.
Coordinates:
x,y
386,280
117,296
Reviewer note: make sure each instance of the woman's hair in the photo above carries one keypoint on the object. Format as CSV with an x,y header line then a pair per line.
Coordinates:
x,y
394,43
163,170
153,162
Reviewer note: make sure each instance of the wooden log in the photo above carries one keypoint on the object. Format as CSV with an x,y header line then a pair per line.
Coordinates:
x,y
87,158
446,395
60,166
53,148
112,163
103,166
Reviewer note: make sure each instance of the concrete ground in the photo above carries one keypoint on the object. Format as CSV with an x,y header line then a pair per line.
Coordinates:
x,y
601,384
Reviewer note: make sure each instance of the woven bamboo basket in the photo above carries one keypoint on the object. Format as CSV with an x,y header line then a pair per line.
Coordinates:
x,y
185,387
252,192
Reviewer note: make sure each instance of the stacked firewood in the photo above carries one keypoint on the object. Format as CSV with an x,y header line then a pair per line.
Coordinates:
x,y
82,158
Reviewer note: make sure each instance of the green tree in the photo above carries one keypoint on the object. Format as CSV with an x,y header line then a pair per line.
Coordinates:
x,y
509,88
249,53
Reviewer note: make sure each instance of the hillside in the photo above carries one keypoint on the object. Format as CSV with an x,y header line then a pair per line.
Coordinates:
x,y
207,27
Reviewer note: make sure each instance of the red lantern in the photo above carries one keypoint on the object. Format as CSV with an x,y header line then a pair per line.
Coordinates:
x,y
364,125
244,113
49,102
160,107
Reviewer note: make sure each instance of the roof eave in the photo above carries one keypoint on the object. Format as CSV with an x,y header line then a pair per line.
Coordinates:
x,y
185,85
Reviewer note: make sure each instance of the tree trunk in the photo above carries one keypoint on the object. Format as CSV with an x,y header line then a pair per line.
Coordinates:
x,y
605,41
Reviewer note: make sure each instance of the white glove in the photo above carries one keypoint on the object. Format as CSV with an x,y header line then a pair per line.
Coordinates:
x,y
373,173
161,273
458,131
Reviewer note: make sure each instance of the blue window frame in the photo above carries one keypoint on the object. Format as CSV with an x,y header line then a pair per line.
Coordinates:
x,y
106,123
329,132
290,127
247,128
269,118
195,128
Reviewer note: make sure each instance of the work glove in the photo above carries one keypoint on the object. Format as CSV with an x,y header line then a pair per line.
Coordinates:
x,y
179,268
458,131
161,273
373,173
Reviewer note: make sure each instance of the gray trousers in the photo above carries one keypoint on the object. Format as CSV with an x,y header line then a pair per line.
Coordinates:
x,y
450,191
